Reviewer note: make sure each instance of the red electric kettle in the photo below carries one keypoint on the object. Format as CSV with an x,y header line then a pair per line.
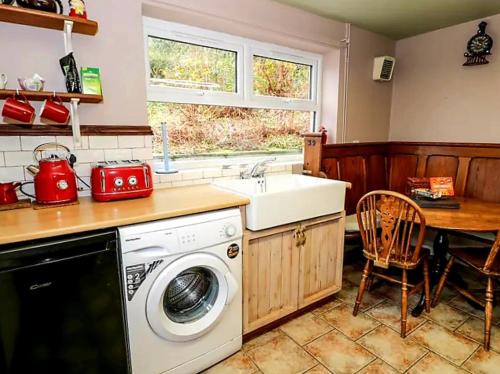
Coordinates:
x,y
54,177
8,193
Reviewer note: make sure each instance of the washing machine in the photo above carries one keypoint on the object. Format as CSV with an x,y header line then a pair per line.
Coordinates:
x,y
183,291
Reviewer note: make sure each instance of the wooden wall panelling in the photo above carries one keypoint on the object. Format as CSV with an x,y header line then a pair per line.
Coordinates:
x,y
330,167
442,166
467,162
376,172
401,166
462,174
353,169
483,181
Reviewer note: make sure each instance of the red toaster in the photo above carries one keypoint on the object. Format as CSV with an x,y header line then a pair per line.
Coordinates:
x,y
118,180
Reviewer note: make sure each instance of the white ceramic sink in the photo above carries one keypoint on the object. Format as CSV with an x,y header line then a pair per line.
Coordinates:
x,y
287,198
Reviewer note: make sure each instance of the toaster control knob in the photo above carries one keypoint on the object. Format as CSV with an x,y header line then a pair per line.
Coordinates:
x,y
118,182
132,180
62,184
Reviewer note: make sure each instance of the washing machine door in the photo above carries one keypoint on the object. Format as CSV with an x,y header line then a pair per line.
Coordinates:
x,y
189,297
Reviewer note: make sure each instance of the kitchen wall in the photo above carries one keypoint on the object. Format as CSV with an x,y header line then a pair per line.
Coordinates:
x,y
118,50
369,101
435,98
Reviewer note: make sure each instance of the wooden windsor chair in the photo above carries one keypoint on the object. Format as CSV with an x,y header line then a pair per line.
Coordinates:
x,y
486,261
389,244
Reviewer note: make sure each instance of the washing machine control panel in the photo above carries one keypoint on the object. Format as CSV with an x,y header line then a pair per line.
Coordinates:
x,y
182,234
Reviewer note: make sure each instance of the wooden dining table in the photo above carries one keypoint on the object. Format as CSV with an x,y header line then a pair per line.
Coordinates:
x,y
473,216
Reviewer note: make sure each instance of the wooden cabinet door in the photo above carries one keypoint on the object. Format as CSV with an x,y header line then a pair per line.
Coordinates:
x,y
321,259
270,278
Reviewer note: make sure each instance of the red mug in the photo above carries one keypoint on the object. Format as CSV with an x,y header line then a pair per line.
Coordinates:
x,y
18,109
8,193
54,110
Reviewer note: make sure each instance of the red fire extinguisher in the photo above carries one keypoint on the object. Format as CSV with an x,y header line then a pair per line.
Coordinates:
x,y
324,135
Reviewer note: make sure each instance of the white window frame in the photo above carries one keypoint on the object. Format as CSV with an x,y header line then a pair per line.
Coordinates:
x,y
245,50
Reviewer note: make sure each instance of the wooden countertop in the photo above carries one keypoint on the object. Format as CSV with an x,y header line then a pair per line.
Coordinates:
x,y
27,224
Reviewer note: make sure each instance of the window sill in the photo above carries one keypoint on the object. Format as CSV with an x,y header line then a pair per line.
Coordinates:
x,y
230,163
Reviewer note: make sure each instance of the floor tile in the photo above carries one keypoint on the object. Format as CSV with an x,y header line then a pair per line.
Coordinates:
x,y
326,307
319,369
352,273
454,347
281,355
306,328
483,362
390,347
238,363
473,328
461,303
261,340
349,293
342,319
378,367
390,315
339,354
392,292
446,316
434,364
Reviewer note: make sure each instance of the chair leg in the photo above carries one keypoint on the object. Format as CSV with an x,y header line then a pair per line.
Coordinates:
x,y
404,302
362,285
442,281
427,285
488,314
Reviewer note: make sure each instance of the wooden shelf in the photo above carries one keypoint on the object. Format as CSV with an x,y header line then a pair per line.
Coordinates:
x,y
46,20
44,95
7,129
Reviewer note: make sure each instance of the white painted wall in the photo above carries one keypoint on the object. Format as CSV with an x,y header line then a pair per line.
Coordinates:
x,y
435,98
118,51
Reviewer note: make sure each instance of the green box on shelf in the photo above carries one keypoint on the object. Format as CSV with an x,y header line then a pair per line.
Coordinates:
x,y
91,81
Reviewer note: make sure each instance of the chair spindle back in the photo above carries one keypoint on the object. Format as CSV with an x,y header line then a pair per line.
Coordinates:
x,y
400,220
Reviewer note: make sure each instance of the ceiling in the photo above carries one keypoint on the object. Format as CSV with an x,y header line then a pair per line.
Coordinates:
x,y
399,19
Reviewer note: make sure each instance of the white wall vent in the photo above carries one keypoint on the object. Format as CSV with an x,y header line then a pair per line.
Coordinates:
x,y
383,68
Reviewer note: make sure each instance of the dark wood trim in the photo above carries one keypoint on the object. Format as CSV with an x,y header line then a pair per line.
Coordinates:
x,y
103,130
46,20
44,95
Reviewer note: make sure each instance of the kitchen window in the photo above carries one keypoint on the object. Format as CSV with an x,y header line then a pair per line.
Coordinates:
x,y
224,96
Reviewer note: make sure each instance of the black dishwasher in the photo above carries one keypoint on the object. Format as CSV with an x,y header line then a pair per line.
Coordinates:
x,y
61,308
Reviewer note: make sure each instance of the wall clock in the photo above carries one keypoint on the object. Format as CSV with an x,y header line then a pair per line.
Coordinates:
x,y
478,47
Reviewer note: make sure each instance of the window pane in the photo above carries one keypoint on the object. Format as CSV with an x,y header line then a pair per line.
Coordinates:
x,y
204,130
281,78
184,65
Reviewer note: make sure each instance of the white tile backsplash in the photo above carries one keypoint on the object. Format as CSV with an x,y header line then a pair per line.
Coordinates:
x,y
89,155
117,154
136,141
68,142
191,174
19,158
11,174
29,143
10,143
16,153
142,153
103,142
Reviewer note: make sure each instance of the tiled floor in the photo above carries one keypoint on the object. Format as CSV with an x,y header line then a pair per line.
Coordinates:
x,y
330,340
